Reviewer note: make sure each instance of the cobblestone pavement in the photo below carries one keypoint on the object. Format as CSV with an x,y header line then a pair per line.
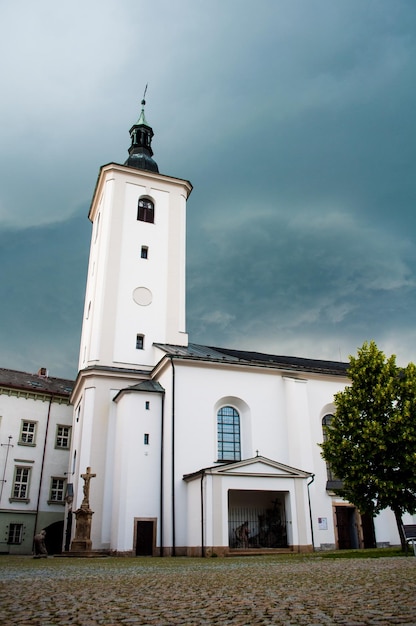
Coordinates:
x,y
238,591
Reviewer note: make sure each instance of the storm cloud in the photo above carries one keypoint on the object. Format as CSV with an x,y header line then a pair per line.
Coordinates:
x,y
295,123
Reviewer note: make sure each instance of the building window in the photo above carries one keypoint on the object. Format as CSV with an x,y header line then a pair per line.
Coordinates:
x,y
63,437
333,481
15,534
326,421
144,252
57,492
146,211
147,405
228,430
28,433
20,489
146,439
140,342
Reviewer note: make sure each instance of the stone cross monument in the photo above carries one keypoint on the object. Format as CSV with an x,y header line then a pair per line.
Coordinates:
x,y
82,540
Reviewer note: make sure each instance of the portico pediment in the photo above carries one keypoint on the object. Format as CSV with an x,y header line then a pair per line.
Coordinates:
x,y
257,466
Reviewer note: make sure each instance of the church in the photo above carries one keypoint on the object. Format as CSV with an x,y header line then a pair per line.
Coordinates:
x,y
195,450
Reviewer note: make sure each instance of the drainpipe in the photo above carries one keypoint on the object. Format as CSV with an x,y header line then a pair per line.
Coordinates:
x,y
202,515
161,473
173,460
43,463
310,511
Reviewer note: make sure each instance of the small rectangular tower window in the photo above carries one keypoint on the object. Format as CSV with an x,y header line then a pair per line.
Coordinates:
x,y
147,405
144,252
146,439
139,342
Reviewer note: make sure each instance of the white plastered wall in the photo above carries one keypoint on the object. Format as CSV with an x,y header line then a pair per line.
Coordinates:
x,y
136,466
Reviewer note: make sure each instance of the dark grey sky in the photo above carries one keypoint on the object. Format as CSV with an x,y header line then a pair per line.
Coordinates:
x,y
293,119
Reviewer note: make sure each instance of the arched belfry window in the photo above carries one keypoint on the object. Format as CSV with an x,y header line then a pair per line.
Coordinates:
x,y
228,434
146,210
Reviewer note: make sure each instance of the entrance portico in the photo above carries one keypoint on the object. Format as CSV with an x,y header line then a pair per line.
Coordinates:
x,y
255,504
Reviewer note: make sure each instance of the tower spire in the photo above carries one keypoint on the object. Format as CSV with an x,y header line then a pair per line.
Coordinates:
x,y
140,151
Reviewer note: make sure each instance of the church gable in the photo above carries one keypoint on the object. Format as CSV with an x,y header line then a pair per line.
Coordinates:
x,y
257,466
261,466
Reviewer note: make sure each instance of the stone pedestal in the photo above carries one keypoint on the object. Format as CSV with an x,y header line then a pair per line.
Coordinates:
x,y
82,541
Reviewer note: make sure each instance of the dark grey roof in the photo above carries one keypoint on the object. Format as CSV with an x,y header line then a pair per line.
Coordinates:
x,y
37,383
225,355
152,386
146,385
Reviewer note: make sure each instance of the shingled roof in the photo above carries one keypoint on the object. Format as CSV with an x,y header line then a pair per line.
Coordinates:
x,y
35,383
225,355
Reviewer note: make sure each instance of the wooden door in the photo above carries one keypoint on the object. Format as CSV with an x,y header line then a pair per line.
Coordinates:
x,y
346,526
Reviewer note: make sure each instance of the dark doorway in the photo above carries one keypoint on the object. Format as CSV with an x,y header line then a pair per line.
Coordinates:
x,y
54,537
256,519
347,528
144,538
369,534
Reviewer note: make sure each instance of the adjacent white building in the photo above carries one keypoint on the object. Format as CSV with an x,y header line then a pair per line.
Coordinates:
x,y
196,449
35,438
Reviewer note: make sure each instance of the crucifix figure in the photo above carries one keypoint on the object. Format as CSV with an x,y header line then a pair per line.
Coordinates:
x,y
86,488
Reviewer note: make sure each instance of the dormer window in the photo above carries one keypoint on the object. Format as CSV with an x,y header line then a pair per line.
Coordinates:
x,y
146,211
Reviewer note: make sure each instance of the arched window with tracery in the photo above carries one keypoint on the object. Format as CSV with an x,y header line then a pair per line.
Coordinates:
x,y
228,434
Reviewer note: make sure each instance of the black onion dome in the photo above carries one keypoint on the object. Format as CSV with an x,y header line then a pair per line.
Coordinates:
x,y
140,151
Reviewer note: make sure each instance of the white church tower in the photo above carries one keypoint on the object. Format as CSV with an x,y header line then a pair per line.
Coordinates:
x,y
135,293
135,297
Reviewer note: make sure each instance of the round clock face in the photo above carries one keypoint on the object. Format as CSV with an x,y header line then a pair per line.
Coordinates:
x,y
142,296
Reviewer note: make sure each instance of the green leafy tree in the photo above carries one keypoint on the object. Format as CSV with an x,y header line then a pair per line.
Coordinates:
x,y
371,441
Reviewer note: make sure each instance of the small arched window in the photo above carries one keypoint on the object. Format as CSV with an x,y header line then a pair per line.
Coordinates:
x,y
228,434
146,210
326,421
